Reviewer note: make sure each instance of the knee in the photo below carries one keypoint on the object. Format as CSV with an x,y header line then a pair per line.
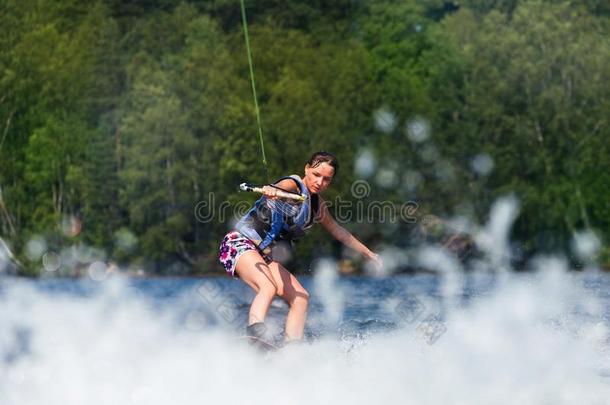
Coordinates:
x,y
300,300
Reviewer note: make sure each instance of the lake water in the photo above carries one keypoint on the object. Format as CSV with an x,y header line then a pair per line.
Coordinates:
x,y
479,338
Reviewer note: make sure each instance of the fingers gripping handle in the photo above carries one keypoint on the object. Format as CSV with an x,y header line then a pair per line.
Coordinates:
x,y
280,193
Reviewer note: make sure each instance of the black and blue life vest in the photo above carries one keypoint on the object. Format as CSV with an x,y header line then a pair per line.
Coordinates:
x,y
269,220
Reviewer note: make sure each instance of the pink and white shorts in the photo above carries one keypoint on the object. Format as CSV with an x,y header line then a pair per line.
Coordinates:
x,y
233,245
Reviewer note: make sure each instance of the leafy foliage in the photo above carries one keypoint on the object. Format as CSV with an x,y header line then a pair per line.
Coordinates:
x,y
127,115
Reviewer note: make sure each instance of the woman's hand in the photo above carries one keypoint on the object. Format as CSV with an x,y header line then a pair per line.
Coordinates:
x,y
270,192
376,260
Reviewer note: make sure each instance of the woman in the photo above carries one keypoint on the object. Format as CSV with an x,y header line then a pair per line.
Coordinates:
x,y
248,251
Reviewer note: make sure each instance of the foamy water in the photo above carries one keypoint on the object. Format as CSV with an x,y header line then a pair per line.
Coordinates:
x,y
486,336
530,339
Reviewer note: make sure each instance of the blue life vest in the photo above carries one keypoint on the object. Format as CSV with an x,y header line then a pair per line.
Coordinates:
x,y
272,220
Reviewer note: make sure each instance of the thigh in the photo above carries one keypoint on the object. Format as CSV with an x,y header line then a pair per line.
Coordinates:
x,y
288,287
252,268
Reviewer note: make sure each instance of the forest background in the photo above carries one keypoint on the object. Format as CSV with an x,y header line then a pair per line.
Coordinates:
x,y
125,127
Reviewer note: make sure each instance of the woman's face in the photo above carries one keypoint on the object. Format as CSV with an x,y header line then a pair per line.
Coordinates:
x,y
318,178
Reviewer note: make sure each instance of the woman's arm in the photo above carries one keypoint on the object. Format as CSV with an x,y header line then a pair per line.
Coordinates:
x,y
286,185
343,235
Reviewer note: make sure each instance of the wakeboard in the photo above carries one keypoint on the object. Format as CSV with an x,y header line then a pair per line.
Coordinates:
x,y
260,344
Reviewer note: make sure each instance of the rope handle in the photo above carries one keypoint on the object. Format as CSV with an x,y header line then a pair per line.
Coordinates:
x,y
280,193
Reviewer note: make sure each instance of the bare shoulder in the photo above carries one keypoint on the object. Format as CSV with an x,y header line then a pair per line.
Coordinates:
x,y
287,184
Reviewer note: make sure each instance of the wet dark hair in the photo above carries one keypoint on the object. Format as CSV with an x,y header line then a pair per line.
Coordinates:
x,y
324,157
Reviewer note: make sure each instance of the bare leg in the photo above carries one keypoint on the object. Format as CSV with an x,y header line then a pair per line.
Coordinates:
x,y
289,288
251,268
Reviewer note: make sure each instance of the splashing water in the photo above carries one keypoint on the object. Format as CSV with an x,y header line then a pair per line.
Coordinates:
x,y
493,239
365,163
454,337
385,120
543,338
418,130
482,164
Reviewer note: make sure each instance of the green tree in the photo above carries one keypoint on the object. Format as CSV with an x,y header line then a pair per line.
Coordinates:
x,y
534,93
